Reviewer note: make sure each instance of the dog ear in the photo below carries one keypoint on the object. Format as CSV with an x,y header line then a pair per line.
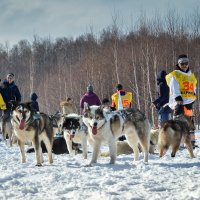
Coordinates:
x,y
13,104
29,105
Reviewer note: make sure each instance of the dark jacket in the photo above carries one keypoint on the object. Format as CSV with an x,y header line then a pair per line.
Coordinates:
x,y
10,92
34,105
91,98
163,96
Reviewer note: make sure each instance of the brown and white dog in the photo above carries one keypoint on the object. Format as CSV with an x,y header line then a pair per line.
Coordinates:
x,y
27,128
154,133
67,107
173,133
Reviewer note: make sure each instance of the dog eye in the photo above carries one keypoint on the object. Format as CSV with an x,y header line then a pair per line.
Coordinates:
x,y
90,117
85,115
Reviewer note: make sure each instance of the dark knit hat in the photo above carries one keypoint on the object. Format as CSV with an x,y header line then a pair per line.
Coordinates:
x,y
183,59
90,88
105,101
119,87
10,75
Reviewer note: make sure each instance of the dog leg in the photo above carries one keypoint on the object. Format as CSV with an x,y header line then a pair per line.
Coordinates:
x,y
113,150
162,151
49,145
38,150
69,144
174,150
133,143
21,146
84,145
10,141
189,146
41,153
145,148
96,149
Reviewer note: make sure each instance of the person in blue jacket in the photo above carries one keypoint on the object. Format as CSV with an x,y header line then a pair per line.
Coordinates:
x,y
161,103
9,91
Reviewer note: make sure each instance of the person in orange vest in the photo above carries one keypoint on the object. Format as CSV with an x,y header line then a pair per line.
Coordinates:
x,y
121,99
182,84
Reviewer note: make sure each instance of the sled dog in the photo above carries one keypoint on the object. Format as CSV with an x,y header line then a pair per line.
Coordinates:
x,y
28,128
74,131
67,106
7,131
173,133
122,148
104,127
56,120
153,140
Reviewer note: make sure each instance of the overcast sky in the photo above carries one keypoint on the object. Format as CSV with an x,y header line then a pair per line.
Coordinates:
x,y
22,19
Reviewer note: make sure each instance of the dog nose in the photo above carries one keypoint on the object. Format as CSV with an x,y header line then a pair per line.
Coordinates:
x,y
95,123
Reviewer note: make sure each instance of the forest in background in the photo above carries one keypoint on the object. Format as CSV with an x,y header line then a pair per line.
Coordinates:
x,y
61,68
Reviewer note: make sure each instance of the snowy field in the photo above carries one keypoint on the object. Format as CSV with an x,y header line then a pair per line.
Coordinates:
x,y
69,178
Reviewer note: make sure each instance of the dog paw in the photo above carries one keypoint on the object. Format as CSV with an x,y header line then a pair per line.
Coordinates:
x,y
38,165
73,153
89,165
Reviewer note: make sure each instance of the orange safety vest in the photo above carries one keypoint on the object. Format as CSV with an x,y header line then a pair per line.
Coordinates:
x,y
188,112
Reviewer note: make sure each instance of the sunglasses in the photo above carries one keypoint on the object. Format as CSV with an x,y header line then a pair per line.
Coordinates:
x,y
186,63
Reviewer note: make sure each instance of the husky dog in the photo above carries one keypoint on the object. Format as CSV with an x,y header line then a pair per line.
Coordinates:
x,y
122,148
28,128
107,127
67,106
74,131
56,120
173,133
153,140
7,131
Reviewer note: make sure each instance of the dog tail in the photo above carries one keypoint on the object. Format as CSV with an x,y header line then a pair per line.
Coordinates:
x,y
165,126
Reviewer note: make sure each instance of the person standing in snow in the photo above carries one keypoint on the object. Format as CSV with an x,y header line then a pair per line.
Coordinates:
x,y
89,97
161,103
9,91
34,103
182,84
121,100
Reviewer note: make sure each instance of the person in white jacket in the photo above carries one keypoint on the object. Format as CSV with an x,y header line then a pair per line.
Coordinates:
x,y
182,85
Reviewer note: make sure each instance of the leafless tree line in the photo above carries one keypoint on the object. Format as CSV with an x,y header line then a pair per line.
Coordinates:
x,y
64,67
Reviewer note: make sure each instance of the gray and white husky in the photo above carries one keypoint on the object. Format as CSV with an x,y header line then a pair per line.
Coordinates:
x,y
28,128
107,127
74,131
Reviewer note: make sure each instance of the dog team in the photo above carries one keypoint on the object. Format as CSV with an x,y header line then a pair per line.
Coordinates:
x,y
107,124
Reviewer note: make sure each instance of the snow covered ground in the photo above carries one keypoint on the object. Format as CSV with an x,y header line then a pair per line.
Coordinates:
x,y
69,178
